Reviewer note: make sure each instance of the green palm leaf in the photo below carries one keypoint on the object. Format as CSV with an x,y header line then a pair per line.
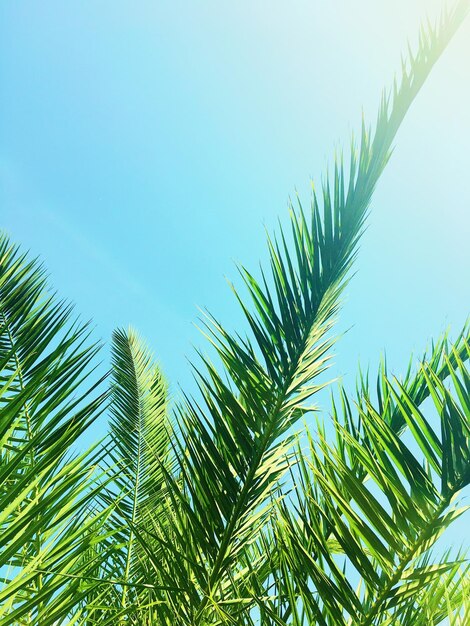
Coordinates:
x,y
139,450
45,406
384,527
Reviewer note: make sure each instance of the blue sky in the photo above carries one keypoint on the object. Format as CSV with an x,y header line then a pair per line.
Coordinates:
x,y
145,146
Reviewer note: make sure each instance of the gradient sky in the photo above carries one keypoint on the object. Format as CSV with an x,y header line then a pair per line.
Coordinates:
x,y
145,146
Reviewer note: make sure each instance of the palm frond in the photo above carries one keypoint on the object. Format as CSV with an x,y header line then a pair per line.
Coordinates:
x,y
46,403
384,526
139,452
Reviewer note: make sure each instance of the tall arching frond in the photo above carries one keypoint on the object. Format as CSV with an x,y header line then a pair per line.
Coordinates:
x,y
233,440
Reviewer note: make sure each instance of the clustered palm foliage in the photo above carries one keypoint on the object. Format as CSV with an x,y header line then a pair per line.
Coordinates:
x,y
213,509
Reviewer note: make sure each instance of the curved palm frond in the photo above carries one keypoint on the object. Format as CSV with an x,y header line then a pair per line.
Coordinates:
x,y
45,405
384,527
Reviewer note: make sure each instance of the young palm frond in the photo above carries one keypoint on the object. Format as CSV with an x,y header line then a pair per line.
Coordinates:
x,y
232,444
45,405
139,450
